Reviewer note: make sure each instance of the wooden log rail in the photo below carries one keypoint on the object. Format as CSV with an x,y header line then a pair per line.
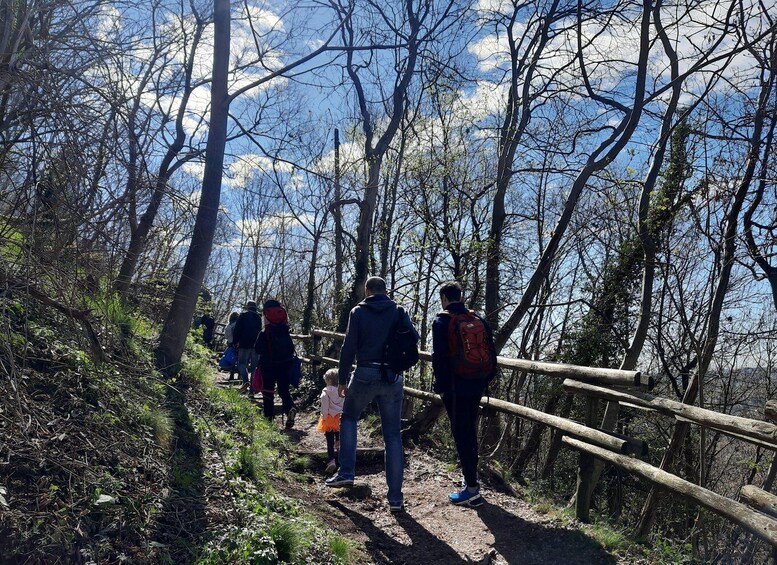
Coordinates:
x,y
569,427
759,499
760,524
592,375
754,431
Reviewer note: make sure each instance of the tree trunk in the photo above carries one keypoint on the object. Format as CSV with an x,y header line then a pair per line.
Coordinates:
x,y
310,302
374,154
139,233
176,327
338,217
555,442
516,119
363,238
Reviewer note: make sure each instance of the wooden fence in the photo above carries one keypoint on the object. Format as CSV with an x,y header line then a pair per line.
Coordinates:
x,y
757,511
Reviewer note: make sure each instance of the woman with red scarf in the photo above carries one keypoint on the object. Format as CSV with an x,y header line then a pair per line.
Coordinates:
x,y
276,354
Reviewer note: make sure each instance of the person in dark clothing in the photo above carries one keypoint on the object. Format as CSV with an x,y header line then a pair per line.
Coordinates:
x,y
208,324
229,336
369,324
244,335
461,396
276,353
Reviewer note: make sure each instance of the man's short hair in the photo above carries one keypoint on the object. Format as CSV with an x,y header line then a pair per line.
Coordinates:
x,y
451,290
375,285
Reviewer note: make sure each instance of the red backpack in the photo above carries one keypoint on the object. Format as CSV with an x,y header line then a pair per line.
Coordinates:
x,y
469,346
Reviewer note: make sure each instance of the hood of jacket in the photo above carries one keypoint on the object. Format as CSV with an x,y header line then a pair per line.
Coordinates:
x,y
276,315
335,400
378,304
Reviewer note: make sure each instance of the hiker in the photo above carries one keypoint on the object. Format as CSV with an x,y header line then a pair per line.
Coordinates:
x,y
329,422
208,325
463,362
276,354
247,328
229,333
369,325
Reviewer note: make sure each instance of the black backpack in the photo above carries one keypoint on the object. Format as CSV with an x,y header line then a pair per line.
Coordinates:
x,y
401,349
280,347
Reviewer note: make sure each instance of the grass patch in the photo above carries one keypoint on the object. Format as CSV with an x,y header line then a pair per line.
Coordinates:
x,y
160,423
300,463
286,539
341,548
610,538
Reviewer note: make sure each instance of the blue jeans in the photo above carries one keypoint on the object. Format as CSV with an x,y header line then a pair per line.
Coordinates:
x,y
247,360
365,386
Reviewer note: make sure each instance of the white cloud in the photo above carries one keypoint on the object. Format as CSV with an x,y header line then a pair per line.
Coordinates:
x,y
244,167
351,158
264,229
498,6
196,169
109,23
486,99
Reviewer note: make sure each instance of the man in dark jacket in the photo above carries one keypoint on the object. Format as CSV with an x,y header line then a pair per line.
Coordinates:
x,y
461,396
369,325
247,328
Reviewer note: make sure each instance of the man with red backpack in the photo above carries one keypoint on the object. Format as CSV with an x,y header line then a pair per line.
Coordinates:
x,y
463,362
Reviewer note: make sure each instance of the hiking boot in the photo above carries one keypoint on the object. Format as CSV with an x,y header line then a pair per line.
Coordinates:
x,y
466,498
395,507
338,480
290,418
331,467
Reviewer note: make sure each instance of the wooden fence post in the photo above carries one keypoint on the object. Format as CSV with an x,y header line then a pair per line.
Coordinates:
x,y
315,352
586,469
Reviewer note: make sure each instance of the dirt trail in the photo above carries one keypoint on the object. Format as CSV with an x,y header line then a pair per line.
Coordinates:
x,y
431,530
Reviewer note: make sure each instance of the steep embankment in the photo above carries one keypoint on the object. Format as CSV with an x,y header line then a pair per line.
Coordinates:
x,y
107,463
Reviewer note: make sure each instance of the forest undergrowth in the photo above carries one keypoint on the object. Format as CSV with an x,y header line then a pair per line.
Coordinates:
x,y
107,463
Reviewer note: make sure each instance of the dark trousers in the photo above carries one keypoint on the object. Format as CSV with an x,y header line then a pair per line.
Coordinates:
x,y
463,413
273,375
331,438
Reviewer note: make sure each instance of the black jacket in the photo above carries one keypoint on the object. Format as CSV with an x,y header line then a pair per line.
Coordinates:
x,y
275,347
441,359
247,328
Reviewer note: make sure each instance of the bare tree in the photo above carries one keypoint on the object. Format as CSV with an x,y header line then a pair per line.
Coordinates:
x,y
725,260
176,326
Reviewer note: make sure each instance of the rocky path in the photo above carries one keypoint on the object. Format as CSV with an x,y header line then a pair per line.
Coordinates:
x,y
431,530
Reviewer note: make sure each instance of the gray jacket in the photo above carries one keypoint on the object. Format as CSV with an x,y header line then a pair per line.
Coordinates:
x,y
369,324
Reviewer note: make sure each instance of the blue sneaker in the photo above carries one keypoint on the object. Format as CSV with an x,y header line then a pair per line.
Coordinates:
x,y
338,480
466,498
